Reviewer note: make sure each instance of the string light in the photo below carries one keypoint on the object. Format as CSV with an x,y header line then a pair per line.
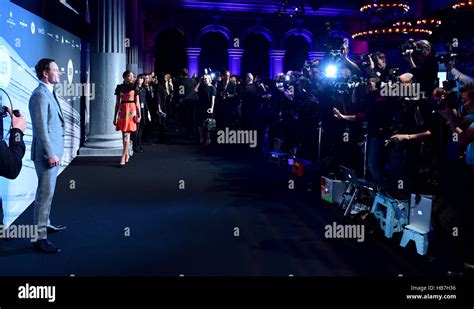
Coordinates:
x,y
424,22
402,6
463,4
395,30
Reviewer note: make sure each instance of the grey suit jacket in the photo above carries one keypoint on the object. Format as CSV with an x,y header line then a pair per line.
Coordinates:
x,y
48,125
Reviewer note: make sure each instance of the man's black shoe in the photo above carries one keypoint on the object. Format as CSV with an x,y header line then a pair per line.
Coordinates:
x,y
45,246
55,228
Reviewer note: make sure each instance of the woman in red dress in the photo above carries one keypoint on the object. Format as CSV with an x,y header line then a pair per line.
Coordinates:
x,y
127,112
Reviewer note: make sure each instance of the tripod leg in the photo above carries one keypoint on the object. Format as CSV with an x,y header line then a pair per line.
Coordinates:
x,y
351,203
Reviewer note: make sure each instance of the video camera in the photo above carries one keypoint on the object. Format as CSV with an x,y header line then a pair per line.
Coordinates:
x,y
410,46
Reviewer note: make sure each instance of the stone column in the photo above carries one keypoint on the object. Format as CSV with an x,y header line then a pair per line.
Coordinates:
x,y
316,55
132,35
276,62
149,61
193,60
107,65
235,60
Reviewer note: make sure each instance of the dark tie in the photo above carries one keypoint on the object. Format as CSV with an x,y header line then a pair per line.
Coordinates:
x,y
54,94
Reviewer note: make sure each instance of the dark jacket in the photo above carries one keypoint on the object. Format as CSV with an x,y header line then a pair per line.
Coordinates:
x,y
11,156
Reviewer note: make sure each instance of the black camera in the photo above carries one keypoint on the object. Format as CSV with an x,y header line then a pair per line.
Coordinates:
x,y
366,59
449,85
335,55
446,58
4,112
348,86
453,52
410,46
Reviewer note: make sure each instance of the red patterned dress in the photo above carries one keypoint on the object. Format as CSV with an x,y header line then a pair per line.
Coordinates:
x,y
127,108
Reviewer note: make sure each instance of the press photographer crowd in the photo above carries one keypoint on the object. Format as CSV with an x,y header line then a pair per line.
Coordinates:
x,y
403,132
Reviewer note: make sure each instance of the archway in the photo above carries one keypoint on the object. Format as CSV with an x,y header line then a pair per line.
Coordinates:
x,y
214,53
256,59
170,52
297,48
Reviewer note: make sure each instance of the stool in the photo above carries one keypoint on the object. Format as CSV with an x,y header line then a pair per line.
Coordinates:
x,y
299,167
277,157
391,216
419,236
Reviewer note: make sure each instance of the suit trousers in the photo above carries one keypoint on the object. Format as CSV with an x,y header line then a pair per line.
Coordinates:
x,y
44,195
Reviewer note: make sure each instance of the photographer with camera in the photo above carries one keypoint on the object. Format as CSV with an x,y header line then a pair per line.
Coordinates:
x,y
425,69
450,209
11,156
376,65
354,68
458,75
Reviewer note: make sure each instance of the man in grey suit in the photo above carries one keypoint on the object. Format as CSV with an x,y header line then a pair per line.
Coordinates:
x,y
47,148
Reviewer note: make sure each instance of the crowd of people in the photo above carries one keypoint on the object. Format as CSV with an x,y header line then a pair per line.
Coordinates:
x,y
419,137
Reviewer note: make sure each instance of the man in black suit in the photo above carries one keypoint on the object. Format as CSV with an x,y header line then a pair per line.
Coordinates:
x,y
249,103
186,100
226,107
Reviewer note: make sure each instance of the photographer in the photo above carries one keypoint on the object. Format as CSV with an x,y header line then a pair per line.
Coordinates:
x,y
377,66
11,156
425,69
377,112
461,77
354,68
450,209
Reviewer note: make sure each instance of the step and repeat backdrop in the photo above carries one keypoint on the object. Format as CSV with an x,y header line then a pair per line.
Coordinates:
x,y
24,39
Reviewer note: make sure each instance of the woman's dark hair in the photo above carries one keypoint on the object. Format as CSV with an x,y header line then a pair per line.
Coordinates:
x,y
142,76
125,74
41,66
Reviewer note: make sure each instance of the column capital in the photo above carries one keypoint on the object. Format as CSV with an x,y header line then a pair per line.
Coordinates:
x,y
276,53
319,55
193,51
236,52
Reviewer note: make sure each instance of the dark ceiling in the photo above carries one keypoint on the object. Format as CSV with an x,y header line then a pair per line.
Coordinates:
x,y
207,4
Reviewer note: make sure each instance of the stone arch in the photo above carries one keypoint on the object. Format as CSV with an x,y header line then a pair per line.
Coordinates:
x,y
308,35
215,28
268,34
